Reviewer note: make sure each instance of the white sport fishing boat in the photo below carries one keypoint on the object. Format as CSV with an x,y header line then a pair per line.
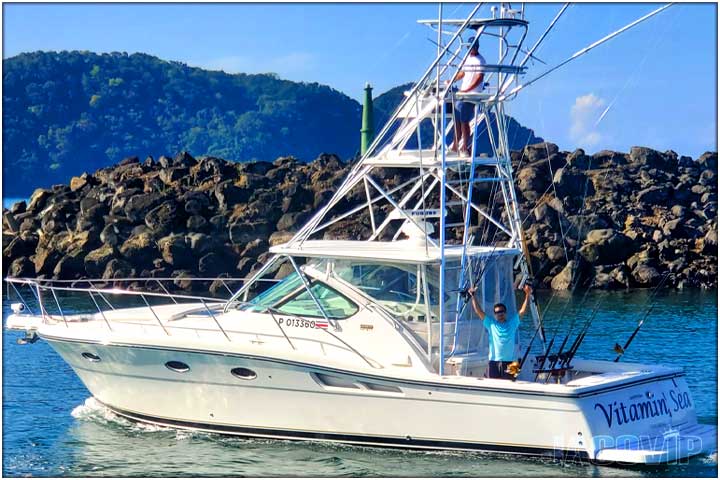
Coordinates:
x,y
370,341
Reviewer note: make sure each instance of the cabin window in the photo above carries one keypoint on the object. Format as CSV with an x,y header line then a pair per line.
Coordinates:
x,y
244,373
279,292
334,304
397,286
176,366
290,296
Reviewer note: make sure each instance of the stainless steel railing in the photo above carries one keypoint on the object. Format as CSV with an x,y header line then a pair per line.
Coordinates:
x,y
211,305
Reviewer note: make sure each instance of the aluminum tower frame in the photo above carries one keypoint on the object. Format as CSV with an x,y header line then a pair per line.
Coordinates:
x,y
441,178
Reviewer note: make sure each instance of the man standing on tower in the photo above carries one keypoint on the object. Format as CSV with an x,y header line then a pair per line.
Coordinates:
x,y
472,81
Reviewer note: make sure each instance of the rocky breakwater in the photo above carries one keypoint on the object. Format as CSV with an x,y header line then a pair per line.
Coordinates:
x,y
174,218
619,220
608,220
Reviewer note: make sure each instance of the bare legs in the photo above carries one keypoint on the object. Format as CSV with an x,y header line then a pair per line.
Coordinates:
x,y
462,138
465,137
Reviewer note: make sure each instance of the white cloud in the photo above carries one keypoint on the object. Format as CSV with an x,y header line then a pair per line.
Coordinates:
x,y
285,65
584,115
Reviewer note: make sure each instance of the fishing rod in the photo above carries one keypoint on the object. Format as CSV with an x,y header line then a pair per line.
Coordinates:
x,y
532,339
579,339
544,357
546,353
653,296
564,362
559,353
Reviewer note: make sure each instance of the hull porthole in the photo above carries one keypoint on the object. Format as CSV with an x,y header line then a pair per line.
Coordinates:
x,y
243,373
176,366
90,357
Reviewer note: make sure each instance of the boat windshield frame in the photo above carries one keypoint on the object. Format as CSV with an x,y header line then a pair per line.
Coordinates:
x,y
290,288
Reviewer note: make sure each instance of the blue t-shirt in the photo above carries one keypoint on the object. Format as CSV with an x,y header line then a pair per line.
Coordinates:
x,y
501,337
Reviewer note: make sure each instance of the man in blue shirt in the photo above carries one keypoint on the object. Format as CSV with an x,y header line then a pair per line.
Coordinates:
x,y
502,333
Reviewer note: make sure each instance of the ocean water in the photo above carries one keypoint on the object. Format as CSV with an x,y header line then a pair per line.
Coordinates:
x,y
53,427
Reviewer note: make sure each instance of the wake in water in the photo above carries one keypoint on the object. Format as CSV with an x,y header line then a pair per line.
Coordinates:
x,y
94,411
335,458
711,459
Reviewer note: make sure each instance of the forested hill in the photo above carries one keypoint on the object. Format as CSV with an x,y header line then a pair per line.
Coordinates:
x,y
69,112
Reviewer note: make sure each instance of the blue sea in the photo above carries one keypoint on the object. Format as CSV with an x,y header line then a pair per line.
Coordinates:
x,y
52,426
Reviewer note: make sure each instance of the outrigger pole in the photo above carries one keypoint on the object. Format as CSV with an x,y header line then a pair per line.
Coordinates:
x,y
653,296
585,50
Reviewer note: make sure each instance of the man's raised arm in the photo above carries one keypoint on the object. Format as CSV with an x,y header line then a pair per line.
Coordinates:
x,y
475,305
526,303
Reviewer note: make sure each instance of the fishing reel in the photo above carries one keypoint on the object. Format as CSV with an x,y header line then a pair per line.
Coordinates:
x,y
513,369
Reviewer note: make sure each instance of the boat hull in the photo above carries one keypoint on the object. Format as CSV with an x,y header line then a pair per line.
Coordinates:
x,y
296,401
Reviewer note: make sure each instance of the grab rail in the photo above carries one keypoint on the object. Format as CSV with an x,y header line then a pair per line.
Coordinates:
x,y
40,285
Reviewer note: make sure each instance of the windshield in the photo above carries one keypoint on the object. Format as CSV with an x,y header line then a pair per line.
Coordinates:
x,y
396,286
291,297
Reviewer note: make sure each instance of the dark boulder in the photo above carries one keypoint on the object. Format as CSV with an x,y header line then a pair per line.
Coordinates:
x,y
296,198
170,176
539,151
608,158
38,199
646,276
21,267
228,195
532,182
648,157
278,238
554,253
139,250
117,268
292,222
129,160
213,264
184,159
195,203
606,246
18,207
674,229
96,260
176,251
255,248
241,233
197,223
23,245
165,162
568,277
656,195
200,244
70,266
45,260
572,182
708,160
138,206
165,218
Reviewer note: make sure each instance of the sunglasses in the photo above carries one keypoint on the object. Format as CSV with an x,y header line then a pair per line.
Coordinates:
x,y
498,312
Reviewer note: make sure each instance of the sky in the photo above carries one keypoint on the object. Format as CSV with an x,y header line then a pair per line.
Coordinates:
x,y
654,85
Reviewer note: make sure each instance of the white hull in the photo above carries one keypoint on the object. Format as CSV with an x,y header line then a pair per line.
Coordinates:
x,y
375,339
287,401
